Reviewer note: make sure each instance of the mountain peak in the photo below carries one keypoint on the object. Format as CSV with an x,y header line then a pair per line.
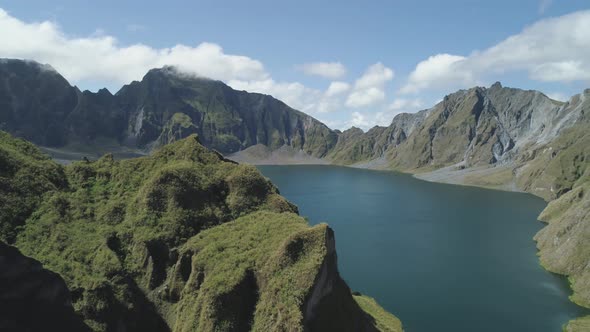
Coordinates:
x,y
31,64
496,85
170,71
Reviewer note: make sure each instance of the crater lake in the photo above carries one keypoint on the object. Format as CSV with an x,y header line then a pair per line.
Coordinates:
x,y
440,257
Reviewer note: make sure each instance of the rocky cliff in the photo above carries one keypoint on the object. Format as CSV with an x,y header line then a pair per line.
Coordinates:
x,y
182,240
469,128
38,104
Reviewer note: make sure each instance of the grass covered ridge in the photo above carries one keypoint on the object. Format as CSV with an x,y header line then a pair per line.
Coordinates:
x,y
25,175
385,321
180,240
279,255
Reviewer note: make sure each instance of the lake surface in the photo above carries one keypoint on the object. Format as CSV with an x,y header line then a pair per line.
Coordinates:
x,y
440,257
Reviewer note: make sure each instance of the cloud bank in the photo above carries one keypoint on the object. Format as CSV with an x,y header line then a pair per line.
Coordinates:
x,y
101,57
551,50
369,89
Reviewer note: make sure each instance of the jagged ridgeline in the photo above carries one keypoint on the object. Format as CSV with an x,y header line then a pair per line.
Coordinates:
x,y
182,240
38,104
468,128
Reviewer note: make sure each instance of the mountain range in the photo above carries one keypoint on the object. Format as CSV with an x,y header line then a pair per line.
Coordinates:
x,y
496,137
38,104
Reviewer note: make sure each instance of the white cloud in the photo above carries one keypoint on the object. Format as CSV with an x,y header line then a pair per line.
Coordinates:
x,y
293,94
369,89
564,71
551,50
365,97
399,105
367,120
437,71
402,104
331,70
358,120
298,96
327,105
558,96
375,75
99,57
337,88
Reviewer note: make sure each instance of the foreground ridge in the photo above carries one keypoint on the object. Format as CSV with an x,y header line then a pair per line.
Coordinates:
x,y
181,240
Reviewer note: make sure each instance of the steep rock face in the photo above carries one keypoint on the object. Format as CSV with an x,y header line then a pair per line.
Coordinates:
x,y
32,298
354,146
553,165
182,240
96,115
35,101
225,119
38,104
476,127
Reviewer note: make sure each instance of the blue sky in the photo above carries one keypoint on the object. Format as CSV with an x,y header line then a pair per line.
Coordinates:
x,y
344,62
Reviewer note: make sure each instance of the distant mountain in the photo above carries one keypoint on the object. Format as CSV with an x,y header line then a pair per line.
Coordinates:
x,y
473,129
38,104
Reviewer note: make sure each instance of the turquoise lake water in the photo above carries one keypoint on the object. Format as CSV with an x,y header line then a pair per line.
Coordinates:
x,y
440,257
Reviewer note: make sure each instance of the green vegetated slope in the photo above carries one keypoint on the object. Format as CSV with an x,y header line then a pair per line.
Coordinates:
x,y
564,244
385,320
182,240
25,174
38,104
